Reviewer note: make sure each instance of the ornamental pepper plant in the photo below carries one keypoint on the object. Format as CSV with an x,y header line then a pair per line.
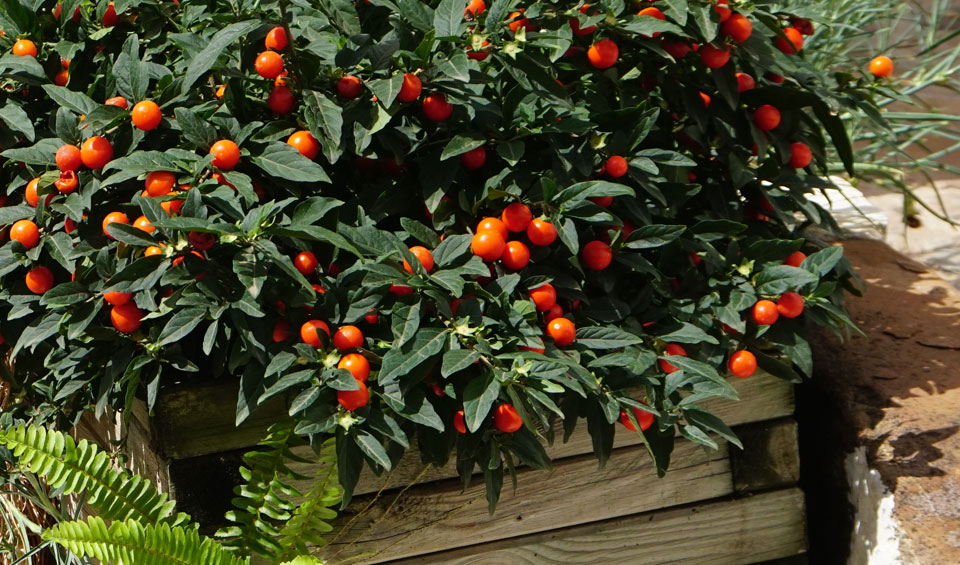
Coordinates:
x,y
477,226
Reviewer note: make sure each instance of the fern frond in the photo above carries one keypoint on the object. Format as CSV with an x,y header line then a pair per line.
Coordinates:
x,y
130,542
312,518
265,501
76,467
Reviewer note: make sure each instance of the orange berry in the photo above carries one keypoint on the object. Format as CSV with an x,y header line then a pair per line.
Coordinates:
x,y
795,259
61,78
738,27
226,154
269,64
745,82
516,255
555,311
67,182
282,331
765,313
436,108
562,331
152,250
126,318
347,337
308,332
68,158
473,159
644,418
881,66
114,217
474,7
516,217
541,232
492,224
160,183
742,364
423,255
506,419
714,57
117,298
143,224
544,296
800,155
305,143
488,245
790,305
353,399
39,280
146,115
410,89
357,364
616,166
26,233
281,100
306,262
349,87
672,349
96,152
766,117
603,54
118,101
596,255
25,48
793,44
276,39
459,423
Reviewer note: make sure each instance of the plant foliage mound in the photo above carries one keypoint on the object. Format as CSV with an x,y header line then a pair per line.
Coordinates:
x,y
469,225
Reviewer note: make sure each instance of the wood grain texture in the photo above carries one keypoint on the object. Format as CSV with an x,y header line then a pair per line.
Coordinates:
x,y
763,397
726,532
199,420
130,441
194,421
439,516
770,456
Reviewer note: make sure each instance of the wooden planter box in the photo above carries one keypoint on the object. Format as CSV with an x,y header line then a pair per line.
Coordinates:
x,y
724,506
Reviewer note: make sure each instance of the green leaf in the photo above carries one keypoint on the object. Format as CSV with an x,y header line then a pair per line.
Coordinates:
x,y
386,89
478,398
427,343
823,261
181,324
325,122
41,153
405,322
458,145
196,131
130,235
373,449
579,192
782,278
447,18
283,161
689,333
65,295
605,337
129,71
650,237
457,360
204,60
17,120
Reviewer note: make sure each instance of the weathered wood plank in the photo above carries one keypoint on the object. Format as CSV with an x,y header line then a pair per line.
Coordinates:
x,y
438,516
131,441
199,420
196,421
762,397
747,530
770,456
